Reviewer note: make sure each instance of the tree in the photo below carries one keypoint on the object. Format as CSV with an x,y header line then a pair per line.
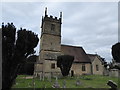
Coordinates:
x,y
116,52
64,62
15,50
28,66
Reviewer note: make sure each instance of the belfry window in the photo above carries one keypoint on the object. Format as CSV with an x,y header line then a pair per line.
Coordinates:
x,y
52,27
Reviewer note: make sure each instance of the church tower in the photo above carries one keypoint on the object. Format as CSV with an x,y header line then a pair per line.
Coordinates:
x,y
50,45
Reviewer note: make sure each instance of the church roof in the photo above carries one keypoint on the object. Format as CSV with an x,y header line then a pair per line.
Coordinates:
x,y
79,54
92,57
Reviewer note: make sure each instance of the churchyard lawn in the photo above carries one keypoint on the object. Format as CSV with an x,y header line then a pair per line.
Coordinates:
x,y
85,81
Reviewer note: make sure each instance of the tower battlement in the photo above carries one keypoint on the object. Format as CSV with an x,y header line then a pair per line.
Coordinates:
x,y
51,18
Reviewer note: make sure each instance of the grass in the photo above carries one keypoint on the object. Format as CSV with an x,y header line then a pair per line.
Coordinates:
x,y
87,81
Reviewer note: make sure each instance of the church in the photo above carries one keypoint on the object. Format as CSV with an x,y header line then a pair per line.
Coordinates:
x,y
50,48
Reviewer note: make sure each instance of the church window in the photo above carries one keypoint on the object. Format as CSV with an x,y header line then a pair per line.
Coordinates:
x,y
97,68
83,67
52,27
53,66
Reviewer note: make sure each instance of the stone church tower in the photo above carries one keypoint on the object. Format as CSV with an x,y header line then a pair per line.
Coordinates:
x,y
50,45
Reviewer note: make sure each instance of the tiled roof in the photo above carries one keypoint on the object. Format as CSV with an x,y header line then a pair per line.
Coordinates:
x,y
92,56
78,52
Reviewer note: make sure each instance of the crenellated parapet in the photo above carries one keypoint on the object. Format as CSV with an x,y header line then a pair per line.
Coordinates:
x,y
52,19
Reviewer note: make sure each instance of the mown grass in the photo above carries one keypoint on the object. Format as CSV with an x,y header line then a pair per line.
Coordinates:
x,y
87,81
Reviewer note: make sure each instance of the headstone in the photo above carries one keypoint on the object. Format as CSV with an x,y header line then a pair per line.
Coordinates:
x,y
64,84
78,82
49,78
40,77
29,84
16,83
56,84
33,85
56,78
43,77
112,84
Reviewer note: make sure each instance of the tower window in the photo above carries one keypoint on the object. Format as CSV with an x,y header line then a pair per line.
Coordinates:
x,y
97,68
51,43
83,67
52,27
53,66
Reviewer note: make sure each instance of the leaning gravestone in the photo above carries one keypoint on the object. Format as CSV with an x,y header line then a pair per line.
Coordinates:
x,y
112,84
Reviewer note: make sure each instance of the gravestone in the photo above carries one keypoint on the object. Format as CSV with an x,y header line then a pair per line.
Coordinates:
x,y
64,84
43,78
56,84
112,84
40,77
49,78
78,82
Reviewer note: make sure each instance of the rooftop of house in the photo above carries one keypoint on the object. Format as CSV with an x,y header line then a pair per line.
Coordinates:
x,y
93,56
79,54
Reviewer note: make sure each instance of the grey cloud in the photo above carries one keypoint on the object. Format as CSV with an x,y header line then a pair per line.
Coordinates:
x,y
90,25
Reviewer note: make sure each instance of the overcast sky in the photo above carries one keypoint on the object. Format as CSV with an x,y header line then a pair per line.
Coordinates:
x,y
91,25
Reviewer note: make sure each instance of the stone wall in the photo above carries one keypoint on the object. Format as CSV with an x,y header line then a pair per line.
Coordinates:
x,y
100,70
114,72
49,70
48,55
50,42
77,68
47,28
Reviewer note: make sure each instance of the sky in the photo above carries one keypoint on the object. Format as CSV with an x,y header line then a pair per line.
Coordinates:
x,y
91,25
